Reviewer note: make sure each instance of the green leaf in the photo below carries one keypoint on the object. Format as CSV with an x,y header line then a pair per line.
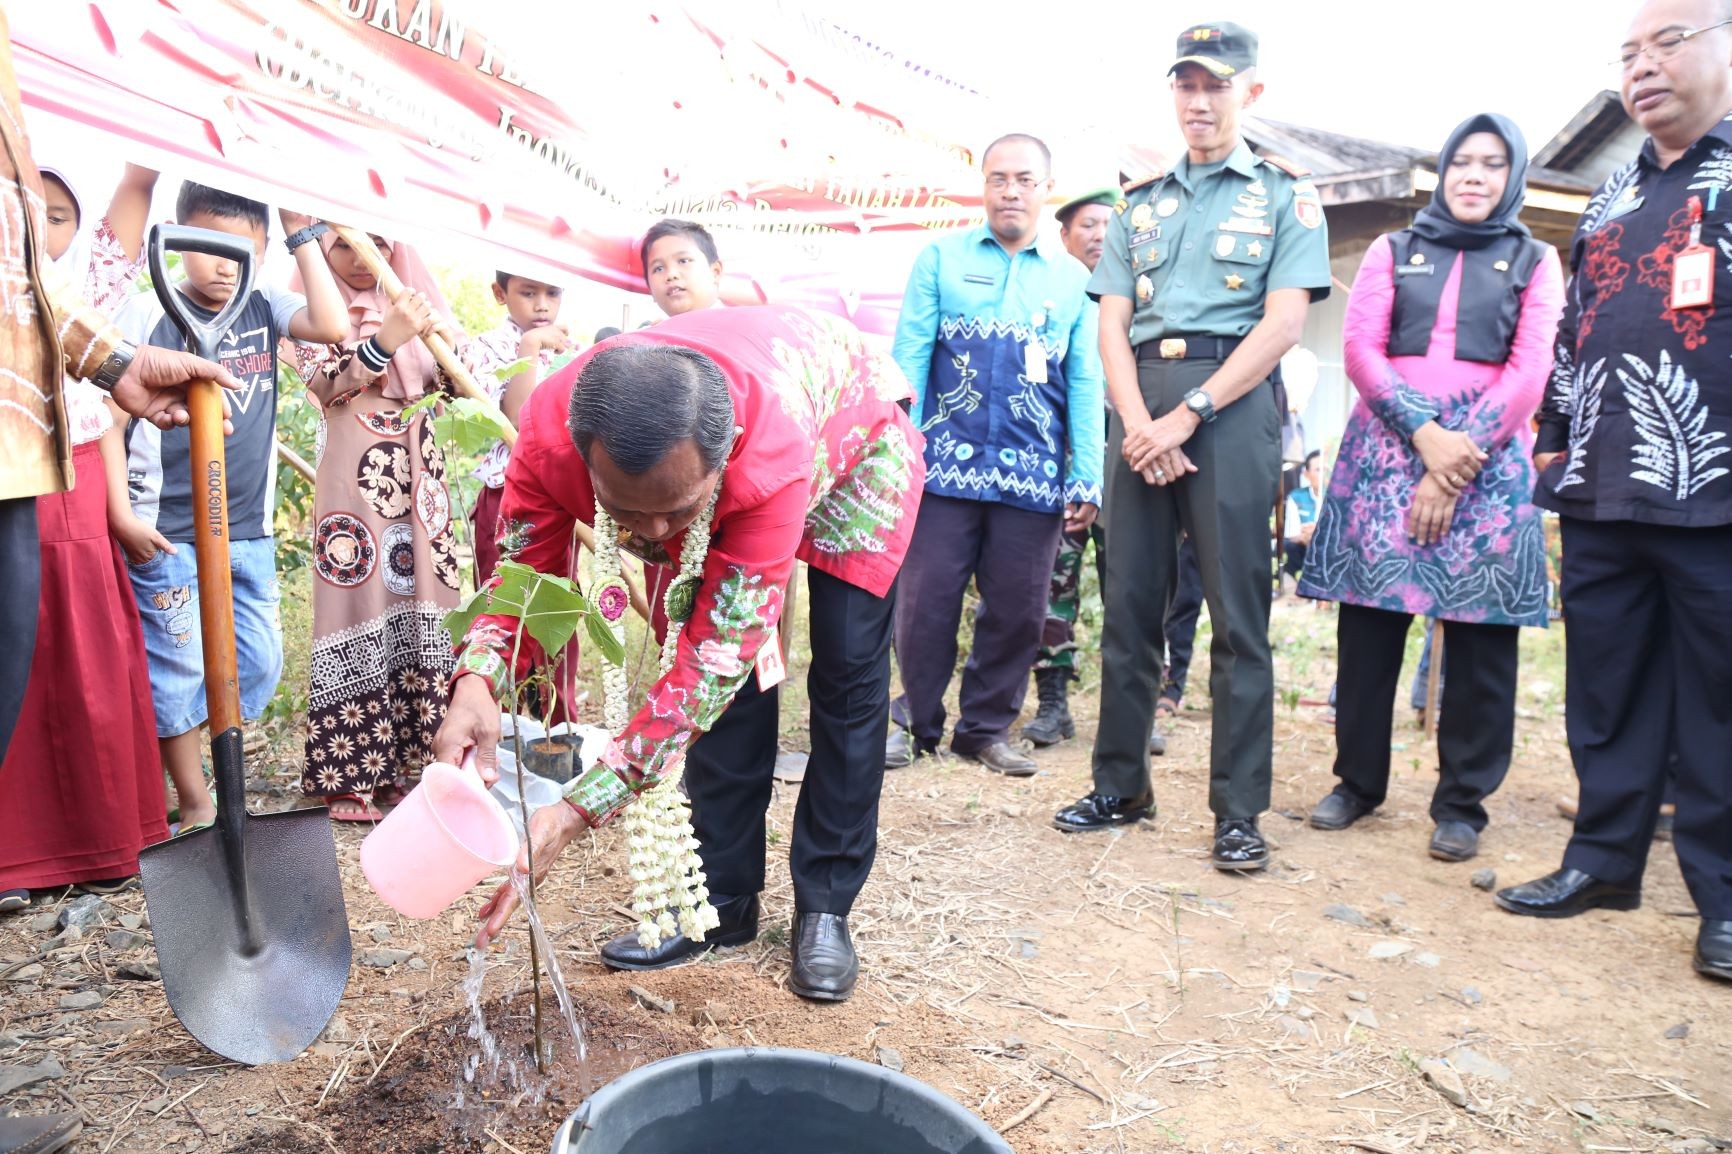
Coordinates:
x,y
418,406
506,372
549,608
469,425
458,621
554,612
602,636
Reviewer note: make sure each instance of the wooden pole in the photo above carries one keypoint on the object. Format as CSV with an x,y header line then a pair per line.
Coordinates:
x,y
297,462
1434,679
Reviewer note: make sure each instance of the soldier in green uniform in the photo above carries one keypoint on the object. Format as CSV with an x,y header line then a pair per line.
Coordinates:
x,y
1083,223
1203,285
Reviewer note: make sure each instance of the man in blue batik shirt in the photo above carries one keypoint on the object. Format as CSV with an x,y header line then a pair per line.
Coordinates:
x,y
998,337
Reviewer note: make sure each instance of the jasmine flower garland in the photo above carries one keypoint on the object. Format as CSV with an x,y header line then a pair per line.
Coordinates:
x,y
669,895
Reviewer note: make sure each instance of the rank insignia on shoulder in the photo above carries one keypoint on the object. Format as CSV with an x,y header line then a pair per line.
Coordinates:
x,y
1145,181
1297,171
1120,206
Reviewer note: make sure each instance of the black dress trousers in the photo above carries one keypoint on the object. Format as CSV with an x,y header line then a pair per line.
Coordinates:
x,y
729,769
1648,653
1476,728
20,597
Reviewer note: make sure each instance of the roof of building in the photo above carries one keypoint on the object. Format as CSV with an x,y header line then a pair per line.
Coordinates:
x,y
1334,155
1600,119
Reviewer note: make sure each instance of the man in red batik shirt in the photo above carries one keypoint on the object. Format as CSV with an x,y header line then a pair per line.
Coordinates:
x,y
802,427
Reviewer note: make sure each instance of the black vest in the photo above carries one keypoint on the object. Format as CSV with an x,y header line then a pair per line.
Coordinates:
x,y
1492,282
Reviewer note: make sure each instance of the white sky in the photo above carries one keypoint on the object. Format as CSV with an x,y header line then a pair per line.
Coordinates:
x,y
1405,73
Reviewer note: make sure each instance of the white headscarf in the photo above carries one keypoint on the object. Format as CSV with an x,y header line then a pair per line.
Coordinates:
x,y
75,261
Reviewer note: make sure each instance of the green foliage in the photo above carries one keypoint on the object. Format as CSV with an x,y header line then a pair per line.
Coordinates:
x,y
297,429
550,608
468,426
470,295
506,372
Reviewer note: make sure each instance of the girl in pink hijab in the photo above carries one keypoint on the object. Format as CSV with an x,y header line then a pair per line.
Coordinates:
x,y
384,553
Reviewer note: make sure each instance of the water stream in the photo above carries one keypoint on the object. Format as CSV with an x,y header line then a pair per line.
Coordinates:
x,y
496,1073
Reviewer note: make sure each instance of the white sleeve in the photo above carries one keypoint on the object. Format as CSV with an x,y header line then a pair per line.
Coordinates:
x,y
1292,525
284,305
137,317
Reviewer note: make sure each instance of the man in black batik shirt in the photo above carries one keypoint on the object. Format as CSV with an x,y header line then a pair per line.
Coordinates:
x,y
1635,455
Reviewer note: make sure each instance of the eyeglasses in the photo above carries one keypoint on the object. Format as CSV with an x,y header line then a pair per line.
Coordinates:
x,y
998,182
1663,48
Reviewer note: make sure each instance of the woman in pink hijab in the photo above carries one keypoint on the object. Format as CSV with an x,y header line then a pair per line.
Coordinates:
x,y
384,554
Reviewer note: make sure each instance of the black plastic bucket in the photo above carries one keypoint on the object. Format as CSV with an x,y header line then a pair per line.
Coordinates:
x,y
747,1101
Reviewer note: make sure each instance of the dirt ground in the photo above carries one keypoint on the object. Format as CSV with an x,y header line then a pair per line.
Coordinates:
x,y
1103,993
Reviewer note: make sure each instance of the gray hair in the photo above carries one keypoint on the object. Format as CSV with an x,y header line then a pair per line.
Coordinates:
x,y
642,400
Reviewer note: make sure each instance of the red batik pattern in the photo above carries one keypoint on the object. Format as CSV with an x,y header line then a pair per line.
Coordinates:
x,y
1655,271
1602,266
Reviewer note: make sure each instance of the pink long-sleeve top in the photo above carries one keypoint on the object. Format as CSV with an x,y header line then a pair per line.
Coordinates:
x,y
1490,565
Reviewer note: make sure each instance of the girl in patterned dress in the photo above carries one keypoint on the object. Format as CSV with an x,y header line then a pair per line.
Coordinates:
x,y
384,551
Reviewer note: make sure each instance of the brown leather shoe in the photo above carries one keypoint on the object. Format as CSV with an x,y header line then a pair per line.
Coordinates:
x,y
1003,757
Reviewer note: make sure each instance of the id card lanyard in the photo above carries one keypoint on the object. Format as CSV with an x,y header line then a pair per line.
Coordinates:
x,y
1034,353
1693,268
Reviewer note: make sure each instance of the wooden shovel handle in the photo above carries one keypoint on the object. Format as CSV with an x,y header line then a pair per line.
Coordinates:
x,y
216,603
369,255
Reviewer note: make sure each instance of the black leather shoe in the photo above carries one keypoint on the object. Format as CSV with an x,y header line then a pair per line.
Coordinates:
x,y
38,1134
1003,757
1103,811
739,925
899,750
1565,893
1454,841
1157,741
825,968
1239,845
1714,949
1338,811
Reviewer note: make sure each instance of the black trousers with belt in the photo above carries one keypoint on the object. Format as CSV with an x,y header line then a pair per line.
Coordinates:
x,y
20,596
1225,508
729,769
1475,731
1648,652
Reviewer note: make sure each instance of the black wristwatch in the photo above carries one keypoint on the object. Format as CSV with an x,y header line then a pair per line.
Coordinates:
x,y
1201,404
113,366
301,236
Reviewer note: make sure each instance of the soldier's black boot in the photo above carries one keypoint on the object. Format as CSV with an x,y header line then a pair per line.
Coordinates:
x,y
1052,724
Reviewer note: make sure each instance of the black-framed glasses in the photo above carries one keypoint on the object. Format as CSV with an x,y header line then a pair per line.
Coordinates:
x,y
1662,48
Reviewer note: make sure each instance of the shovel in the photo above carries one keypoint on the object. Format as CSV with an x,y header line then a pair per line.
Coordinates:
x,y
251,933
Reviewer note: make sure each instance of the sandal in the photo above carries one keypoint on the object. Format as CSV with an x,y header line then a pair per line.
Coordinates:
x,y
364,809
11,901
107,886
1165,707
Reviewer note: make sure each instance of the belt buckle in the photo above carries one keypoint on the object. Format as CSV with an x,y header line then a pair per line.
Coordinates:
x,y
1173,348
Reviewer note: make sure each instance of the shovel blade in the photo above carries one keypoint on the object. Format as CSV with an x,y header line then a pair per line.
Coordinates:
x,y
261,1004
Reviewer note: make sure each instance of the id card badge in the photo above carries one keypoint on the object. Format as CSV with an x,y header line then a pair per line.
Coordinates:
x,y
1693,268
1693,278
771,671
1034,363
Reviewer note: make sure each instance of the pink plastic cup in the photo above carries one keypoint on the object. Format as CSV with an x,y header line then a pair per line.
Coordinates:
x,y
445,836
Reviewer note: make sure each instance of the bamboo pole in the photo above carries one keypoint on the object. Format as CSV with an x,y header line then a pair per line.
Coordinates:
x,y
1434,680
296,462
